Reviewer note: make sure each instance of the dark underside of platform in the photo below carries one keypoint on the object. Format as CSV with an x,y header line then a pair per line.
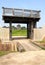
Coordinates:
x,y
14,19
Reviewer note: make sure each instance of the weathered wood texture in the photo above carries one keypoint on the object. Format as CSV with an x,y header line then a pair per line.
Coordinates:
x,y
21,12
20,15
30,17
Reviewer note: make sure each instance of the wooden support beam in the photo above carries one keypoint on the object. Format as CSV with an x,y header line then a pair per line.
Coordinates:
x,y
10,30
31,30
28,30
34,24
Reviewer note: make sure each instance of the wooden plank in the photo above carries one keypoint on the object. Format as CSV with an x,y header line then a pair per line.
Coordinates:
x,y
23,12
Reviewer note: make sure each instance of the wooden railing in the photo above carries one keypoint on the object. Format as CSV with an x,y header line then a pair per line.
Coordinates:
x,y
21,12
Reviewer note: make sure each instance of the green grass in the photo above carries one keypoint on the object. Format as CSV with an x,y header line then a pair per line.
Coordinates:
x,y
43,41
19,32
42,44
4,53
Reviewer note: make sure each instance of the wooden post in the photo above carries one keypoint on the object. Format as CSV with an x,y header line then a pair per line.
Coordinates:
x,y
10,30
30,26
34,24
27,30
31,30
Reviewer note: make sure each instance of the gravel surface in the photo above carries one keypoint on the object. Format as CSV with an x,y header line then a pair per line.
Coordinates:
x,y
24,58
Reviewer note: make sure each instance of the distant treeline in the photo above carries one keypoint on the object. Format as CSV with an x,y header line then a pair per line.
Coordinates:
x,y
17,27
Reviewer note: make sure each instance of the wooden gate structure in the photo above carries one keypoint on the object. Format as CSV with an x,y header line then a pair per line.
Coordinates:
x,y
29,17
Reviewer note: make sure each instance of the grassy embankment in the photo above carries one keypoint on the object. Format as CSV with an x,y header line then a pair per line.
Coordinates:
x,y
4,53
43,41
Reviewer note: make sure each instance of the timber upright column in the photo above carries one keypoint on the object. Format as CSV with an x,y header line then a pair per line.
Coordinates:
x,y
30,30
10,30
34,24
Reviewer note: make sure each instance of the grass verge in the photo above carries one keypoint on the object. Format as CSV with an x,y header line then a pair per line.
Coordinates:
x,y
4,53
43,41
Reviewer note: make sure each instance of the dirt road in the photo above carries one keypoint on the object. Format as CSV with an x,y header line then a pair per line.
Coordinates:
x,y
26,58
28,45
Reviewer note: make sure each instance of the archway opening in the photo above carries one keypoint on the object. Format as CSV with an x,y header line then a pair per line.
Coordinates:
x,y
19,31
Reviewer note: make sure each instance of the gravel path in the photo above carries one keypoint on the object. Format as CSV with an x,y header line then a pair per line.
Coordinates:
x,y
25,58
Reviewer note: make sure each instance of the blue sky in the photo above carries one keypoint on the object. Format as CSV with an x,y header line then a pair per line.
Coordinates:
x,y
24,4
